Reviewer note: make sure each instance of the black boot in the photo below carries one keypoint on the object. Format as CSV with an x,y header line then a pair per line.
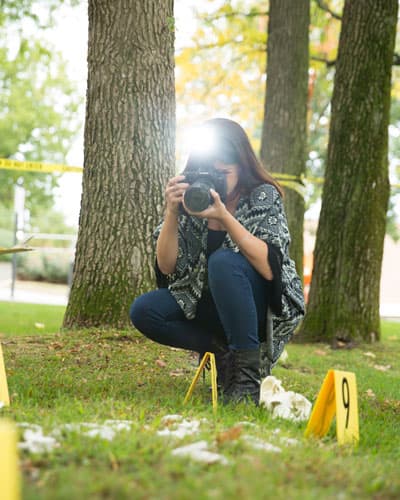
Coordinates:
x,y
222,360
220,349
243,377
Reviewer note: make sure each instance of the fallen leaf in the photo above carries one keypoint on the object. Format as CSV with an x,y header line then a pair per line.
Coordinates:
x,y
369,354
168,420
259,444
230,435
320,352
55,345
370,393
177,373
74,350
28,467
393,404
198,451
383,368
161,363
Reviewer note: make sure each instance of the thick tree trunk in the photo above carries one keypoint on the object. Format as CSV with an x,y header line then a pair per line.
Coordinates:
x,y
129,155
283,146
344,295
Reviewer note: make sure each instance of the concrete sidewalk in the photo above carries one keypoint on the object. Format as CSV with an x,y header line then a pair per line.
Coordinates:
x,y
34,292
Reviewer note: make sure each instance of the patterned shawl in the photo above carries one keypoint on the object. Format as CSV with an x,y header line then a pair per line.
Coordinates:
x,y
263,215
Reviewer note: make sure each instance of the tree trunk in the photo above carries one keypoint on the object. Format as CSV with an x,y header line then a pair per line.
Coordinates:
x,y
129,155
344,294
284,137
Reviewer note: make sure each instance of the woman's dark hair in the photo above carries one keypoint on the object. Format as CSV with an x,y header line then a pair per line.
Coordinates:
x,y
233,146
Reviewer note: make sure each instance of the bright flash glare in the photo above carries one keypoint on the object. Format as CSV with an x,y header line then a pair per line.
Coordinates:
x,y
201,140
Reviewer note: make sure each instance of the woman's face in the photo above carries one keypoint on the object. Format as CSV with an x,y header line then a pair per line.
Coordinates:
x,y
231,172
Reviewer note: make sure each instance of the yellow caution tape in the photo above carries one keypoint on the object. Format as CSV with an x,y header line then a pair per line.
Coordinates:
x,y
295,182
36,166
301,179
288,177
295,186
313,180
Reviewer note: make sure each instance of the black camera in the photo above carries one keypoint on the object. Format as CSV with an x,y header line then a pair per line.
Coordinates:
x,y
197,196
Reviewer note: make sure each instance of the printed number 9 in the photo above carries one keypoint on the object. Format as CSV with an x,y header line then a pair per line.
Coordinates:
x,y
346,398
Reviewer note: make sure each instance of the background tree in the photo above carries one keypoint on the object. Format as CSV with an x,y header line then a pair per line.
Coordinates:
x,y
129,155
344,294
284,136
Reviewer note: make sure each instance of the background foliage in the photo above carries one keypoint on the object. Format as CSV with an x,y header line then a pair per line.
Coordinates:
x,y
38,102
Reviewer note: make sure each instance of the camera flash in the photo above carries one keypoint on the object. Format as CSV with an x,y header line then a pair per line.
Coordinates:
x,y
202,140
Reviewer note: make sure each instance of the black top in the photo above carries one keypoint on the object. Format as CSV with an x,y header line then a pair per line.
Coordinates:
x,y
214,240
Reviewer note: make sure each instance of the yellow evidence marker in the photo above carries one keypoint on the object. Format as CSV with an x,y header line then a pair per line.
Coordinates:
x,y
207,356
4,397
338,394
9,472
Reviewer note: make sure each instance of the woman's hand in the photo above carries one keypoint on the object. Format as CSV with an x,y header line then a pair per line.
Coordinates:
x,y
217,210
174,193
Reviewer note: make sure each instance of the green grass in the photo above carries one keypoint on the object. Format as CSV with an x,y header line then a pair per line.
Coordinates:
x,y
17,318
90,376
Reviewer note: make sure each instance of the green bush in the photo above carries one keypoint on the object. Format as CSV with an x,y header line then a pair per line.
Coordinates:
x,y
42,265
6,237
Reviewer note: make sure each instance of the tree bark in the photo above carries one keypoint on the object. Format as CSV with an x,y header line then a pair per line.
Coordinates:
x,y
284,136
344,294
129,155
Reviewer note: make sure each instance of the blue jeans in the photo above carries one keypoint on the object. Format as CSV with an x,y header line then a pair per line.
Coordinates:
x,y
235,310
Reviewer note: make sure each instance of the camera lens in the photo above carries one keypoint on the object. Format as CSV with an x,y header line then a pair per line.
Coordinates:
x,y
197,198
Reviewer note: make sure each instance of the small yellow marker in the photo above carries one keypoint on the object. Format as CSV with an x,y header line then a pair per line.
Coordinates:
x,y
9,472
207,356
338,394
4,397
